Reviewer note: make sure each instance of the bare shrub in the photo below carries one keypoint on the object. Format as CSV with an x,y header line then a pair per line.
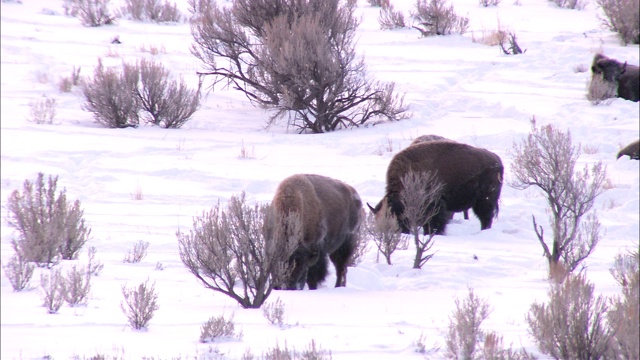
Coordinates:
x,y
487,3
312,352
493,349
95,266
49,228
580,68
246,153
77,285
169,103
546,159
390,19
66,83
137,193
385,233
151,10
622,17
218,327
265,51
274,312
139,304
600,91
137,253
513,48
43,110
361,245
590,149
421,203
571,4
623,317
571,324
233,249
111,96
19,272
53,290
464,333
490,37
90,12
153,49
434,17
379,3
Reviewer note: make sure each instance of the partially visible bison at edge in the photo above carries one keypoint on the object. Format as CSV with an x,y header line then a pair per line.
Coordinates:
x,y
330,212
472,178
625,76
632,151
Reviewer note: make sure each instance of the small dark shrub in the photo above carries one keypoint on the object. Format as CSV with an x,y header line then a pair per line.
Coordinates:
x,y
487,3
90,12
139,304
434,17
622,17
137,253
218,327
513,48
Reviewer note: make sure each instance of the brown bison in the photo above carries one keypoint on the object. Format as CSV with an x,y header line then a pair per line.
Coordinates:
x,y
626,77
330,213
431,137
472,179
632,151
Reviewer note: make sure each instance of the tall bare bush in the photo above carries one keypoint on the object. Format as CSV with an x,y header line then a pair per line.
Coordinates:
x,y
151,10
53,290
546,159
571,4
571,324
622,17
231,250
436,17
390,19
77,285
219,327
49,228
385,233
295,57
421,199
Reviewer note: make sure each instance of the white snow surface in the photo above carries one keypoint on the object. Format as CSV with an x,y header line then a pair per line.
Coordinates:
x,y
456,88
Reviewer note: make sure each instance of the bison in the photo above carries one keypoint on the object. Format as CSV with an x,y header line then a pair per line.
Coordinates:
x,y
330,214
632,151
626,77
472,178
431,137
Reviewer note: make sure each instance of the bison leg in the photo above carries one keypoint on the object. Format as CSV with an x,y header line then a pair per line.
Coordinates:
x,y
317,272
340,259
466,214
438,222
485,211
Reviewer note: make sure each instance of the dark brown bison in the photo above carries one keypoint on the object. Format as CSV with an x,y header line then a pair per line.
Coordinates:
x,y
472,179
431,137
330,212
632,151
626,77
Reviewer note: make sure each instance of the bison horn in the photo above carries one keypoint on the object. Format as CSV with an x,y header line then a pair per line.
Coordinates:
x,y
371,208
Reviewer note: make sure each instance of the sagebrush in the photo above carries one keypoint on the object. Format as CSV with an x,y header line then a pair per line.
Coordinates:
x,y
219,327
140,304
622,17
90,12
437,17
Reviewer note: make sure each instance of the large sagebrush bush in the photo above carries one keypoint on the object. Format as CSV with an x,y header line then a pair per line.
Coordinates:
x,y
240,251
90,12
140,304
623,315
296,57
49,228
437,17
119,98
622,17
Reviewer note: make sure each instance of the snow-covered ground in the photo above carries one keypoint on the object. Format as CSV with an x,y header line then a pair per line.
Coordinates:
x,y
456,88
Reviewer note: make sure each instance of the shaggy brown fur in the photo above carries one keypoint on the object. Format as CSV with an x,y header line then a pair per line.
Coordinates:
x,y
331,212
627,77
472,178
632,151
431,137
